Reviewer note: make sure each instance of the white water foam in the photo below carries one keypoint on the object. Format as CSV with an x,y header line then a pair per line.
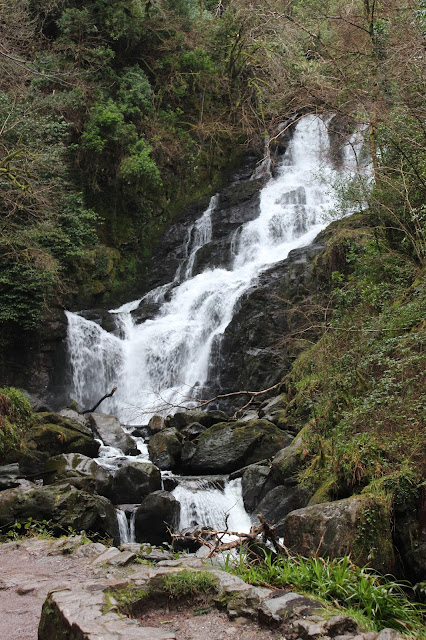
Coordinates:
x,y
162,364
205,505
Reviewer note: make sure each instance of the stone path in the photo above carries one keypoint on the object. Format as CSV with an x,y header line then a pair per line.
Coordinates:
x,y
76,582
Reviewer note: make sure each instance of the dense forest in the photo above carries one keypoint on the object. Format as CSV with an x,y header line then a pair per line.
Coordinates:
x,y
116,114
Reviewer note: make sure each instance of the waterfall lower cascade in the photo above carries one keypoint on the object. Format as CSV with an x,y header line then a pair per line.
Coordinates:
x,y
163,362
206,504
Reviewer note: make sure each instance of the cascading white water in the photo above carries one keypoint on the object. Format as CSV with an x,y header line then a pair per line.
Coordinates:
x,y
164,361
123,526
205,505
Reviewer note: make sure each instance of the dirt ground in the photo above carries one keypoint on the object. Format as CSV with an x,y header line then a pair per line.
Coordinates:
x,y
28,572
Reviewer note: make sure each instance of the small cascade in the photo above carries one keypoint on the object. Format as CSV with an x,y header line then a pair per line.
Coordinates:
x,y
202,234
206,503
123,526
132,526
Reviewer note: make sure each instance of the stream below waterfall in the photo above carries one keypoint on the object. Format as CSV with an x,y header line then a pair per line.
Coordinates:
x,y
163,362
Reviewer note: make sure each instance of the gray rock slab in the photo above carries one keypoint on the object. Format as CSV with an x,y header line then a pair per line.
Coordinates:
x,y
121,560
77,614
389,634
308,629
106,556
110,431
74,415
340,625
274,608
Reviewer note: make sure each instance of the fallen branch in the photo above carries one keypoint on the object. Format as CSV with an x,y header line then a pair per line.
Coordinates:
x,y
262,533
107,395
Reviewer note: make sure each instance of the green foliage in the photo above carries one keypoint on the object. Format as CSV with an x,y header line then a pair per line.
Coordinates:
x,y
31,529
360,389
188,584
16,418
382,600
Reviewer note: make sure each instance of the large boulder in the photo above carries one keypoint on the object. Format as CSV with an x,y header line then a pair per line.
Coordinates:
x,y
158,512
94,478
227,446
110,431
52,435
63,506
181,419
279,502
254,482
359,525
165,448
134,481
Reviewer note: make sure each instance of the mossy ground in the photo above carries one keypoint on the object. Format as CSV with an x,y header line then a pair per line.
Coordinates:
x,y
360,392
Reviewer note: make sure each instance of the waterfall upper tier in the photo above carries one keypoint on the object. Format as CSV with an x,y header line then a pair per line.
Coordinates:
x,y
165,361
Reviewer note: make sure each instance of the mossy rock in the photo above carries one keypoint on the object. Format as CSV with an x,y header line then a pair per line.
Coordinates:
x,y
359,526
326,492
53,435
288,462
64,506
227,446
165,449
75,465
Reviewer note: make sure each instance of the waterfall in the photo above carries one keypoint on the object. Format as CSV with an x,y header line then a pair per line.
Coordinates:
x,y
123,526
206,504
163,362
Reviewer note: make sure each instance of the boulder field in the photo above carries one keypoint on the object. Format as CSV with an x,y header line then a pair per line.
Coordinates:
x,y
58,480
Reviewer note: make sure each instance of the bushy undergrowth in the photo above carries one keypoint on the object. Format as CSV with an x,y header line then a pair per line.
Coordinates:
x,y
16,417
381,601
360,390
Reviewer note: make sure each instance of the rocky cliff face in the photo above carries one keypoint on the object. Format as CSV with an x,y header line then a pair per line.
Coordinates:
x,y
251,353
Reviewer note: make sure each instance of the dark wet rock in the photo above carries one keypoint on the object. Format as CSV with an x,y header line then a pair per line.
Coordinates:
x,y
255,483
206,418
142,431
63,505
145,311
156,423
227,446
410,533
38,403
134,481
102,317
251,353
9,476
358,525
279,502
158,511
274,410
76,465
110,431
192,431
165,449
238,203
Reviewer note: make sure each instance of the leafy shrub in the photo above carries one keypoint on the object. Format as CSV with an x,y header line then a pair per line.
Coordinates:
x,y
16,417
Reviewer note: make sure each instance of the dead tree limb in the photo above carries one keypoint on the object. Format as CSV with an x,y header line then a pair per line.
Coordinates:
x,y
258,533
107,395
